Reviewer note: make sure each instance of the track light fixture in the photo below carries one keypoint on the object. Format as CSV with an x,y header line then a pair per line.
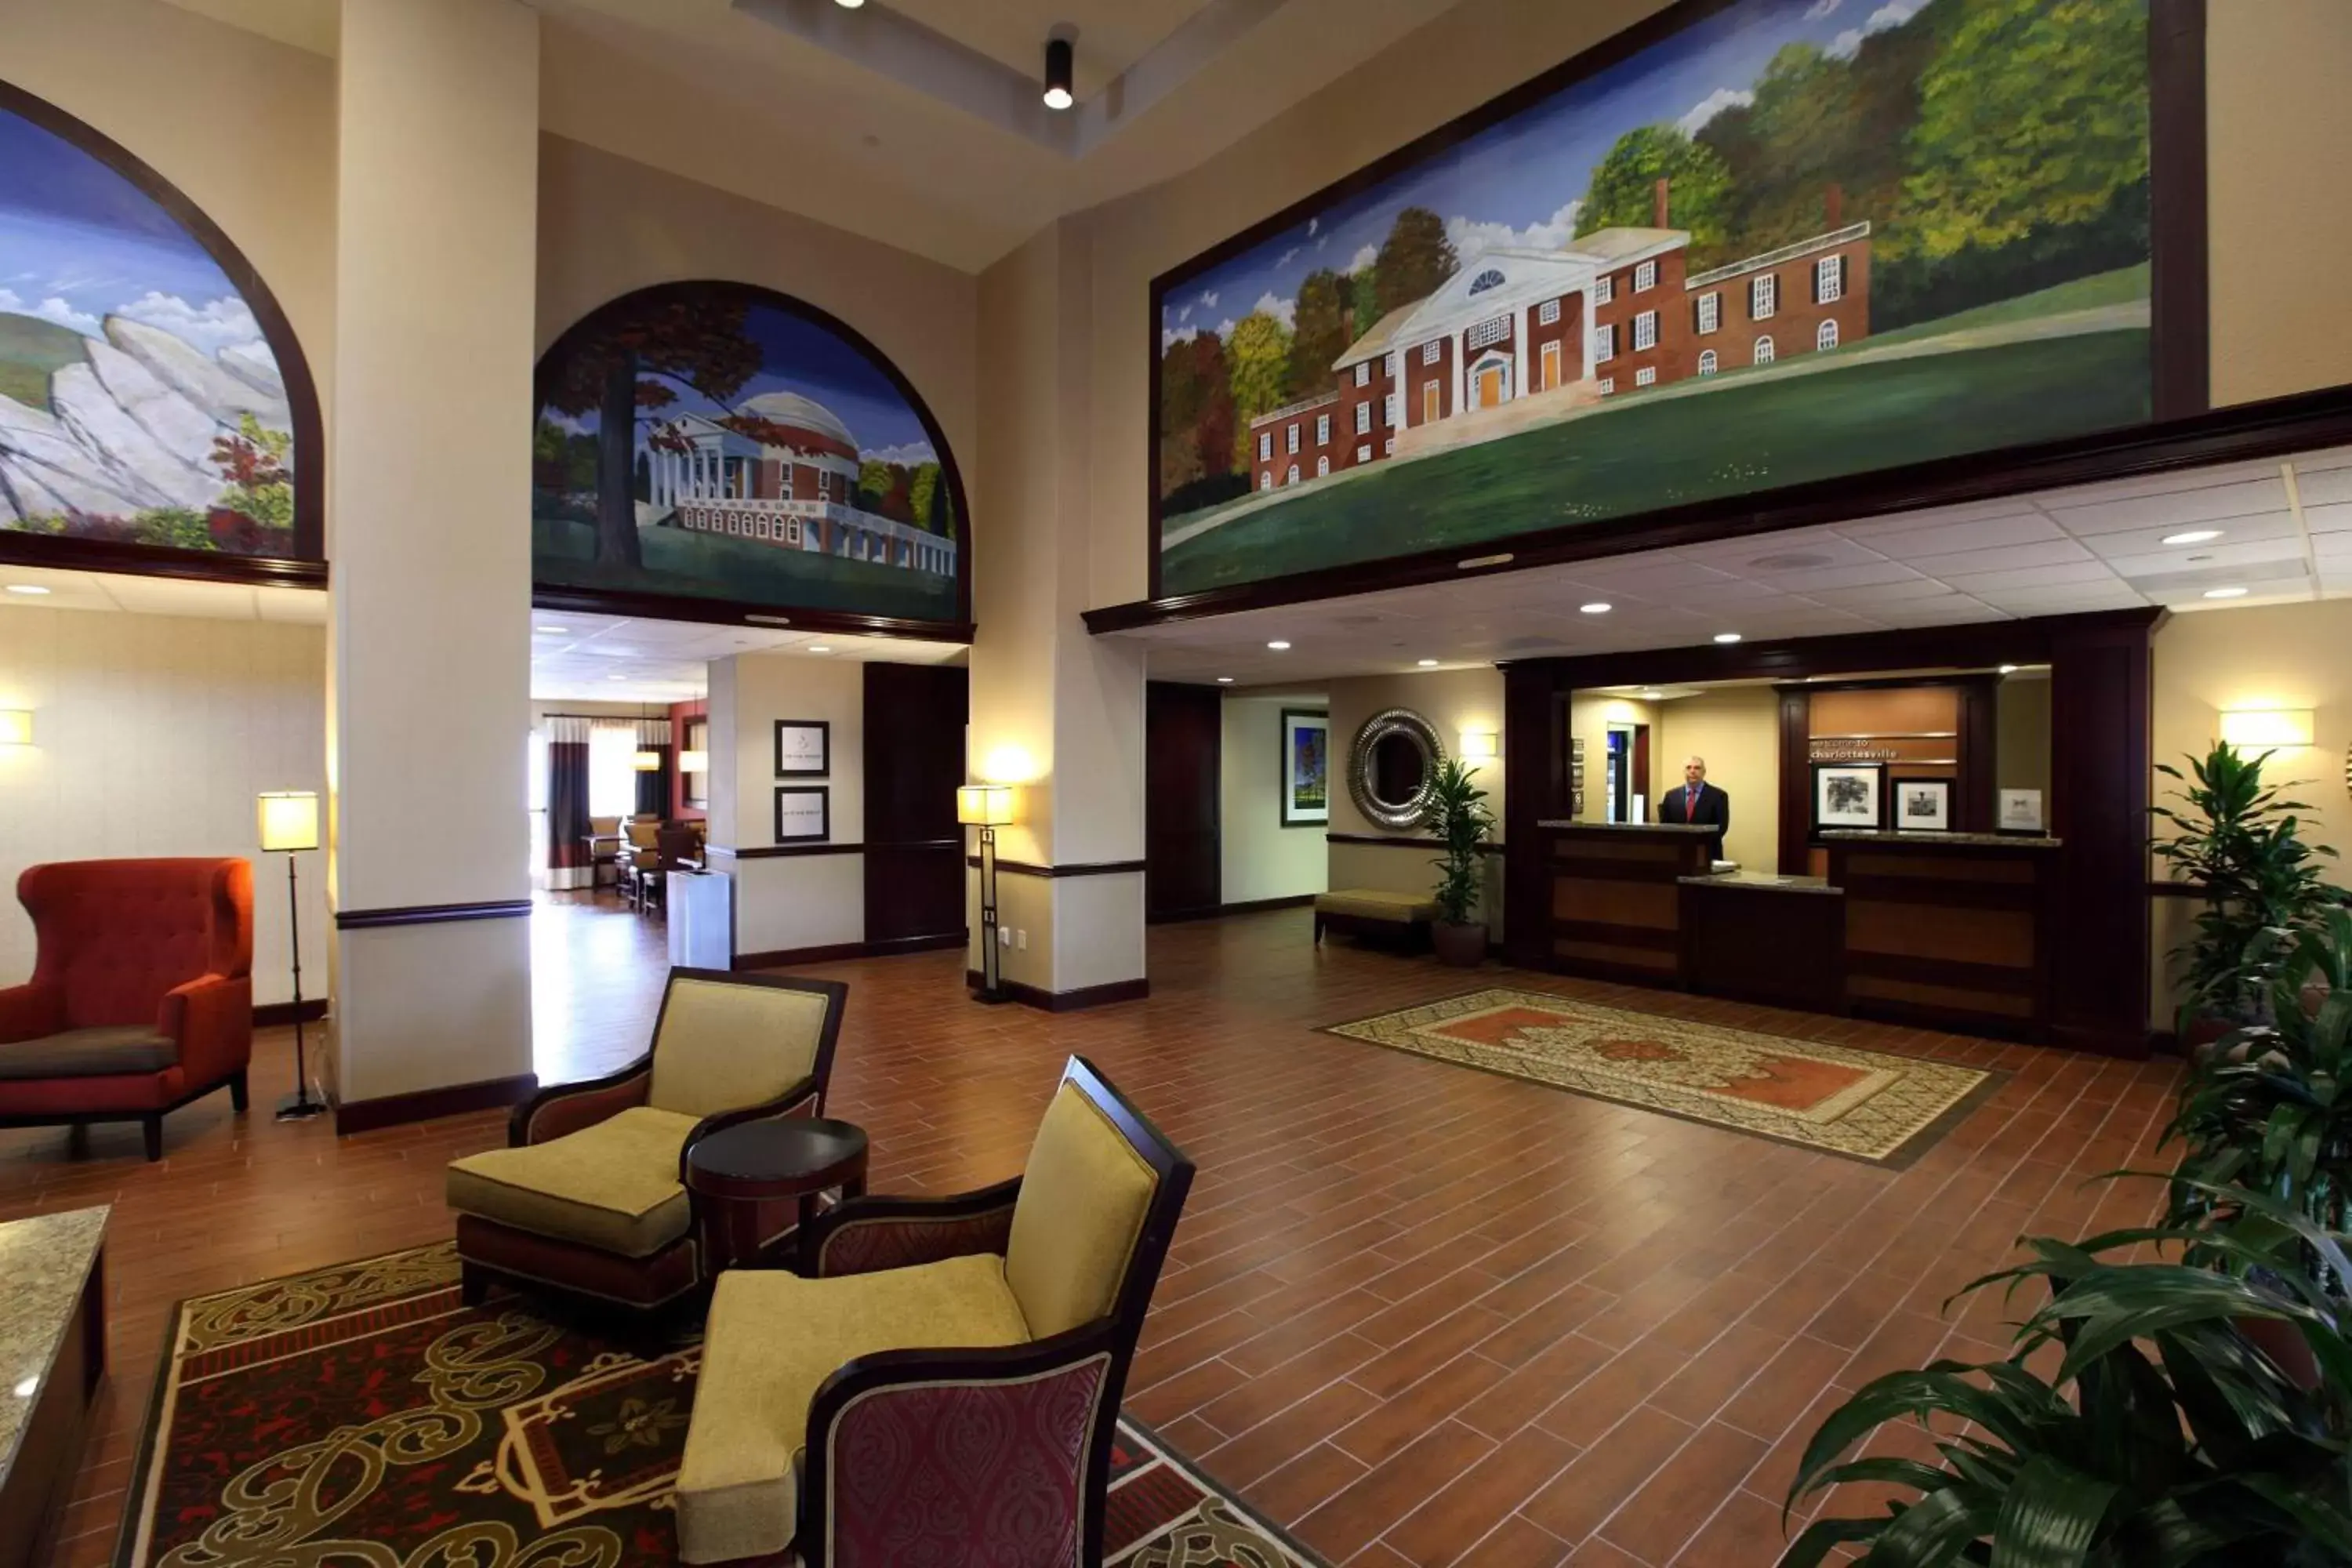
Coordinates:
x,y
1059,54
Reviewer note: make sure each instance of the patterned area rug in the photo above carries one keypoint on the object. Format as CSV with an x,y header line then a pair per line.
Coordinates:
x,y
1865,1105
363,1415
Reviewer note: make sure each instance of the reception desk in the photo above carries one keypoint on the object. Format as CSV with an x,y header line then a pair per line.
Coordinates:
x,y
1950,930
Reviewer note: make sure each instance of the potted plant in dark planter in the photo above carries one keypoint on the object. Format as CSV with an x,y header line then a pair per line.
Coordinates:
x,y
1458,816
2236,842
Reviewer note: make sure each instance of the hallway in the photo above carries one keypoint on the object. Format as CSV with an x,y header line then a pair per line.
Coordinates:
x,y
1418,1314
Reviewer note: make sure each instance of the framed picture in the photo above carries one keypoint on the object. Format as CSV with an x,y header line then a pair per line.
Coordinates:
x,y
716,451
803,814
2021,810
697,784
158,413
1305,767
1661,276
1849,794
804,748
1923,806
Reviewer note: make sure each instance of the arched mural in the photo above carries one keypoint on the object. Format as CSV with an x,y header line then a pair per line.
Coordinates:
x,y
721,452
154,406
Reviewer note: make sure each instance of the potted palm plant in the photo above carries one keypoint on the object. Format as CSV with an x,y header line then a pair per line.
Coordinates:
x,y
2238,843
1457,815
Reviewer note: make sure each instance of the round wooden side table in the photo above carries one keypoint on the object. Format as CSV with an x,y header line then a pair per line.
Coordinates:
x,y
744,1168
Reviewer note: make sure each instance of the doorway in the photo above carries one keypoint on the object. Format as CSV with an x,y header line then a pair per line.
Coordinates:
x,y
1183,847
1429,403
1490,386
1627,779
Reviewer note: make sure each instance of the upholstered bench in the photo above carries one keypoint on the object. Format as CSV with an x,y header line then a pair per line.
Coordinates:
x,y
1401,918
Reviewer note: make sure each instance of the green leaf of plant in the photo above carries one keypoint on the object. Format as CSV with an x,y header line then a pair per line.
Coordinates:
x,y
2050,1517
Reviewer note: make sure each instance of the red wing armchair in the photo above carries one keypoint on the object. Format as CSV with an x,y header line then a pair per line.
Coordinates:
x,y
141,995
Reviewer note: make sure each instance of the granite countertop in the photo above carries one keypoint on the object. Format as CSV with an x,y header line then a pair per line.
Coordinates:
x,y
1636,827
1764,880
1995,840
45,1260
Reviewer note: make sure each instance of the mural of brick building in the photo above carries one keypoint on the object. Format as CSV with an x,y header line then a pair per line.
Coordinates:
x,y
1616,312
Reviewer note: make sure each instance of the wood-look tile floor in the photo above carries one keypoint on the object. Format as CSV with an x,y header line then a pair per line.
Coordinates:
x,y
1418,1314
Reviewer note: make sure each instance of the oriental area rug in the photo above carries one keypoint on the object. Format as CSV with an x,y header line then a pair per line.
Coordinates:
x,y
362,1414
1864,1105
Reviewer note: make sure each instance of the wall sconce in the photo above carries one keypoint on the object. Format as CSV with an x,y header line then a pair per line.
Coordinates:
x,y
694,761
2272,727
1480,745
15,727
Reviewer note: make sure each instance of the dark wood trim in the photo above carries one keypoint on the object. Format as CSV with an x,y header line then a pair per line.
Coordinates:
x,y
274,1014
2179,282
302,391
2158,888
1085,997
2102,720
1397,841
1795,805
2276,426
686,606
1073,869
1242,906
431,914
1536,788
1976,793
427,1104
782,851
834,952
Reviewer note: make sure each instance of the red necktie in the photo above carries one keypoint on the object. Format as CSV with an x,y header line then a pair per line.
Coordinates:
x,y
1690,804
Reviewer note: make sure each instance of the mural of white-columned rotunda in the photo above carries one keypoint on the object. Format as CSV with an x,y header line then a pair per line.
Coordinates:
x,y
780,470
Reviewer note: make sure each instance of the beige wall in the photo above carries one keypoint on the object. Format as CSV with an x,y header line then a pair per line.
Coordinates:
x,y
2021,735
1589,718
1453,701
1260,857
151,736
1737,731
800,900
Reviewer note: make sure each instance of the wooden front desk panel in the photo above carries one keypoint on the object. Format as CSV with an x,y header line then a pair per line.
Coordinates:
x,y
1776,941
1950,932
1615,909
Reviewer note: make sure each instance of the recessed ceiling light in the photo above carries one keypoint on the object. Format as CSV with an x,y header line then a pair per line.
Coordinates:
x,y
819,647
1426,663
1598,608
2009,669
849,5
2194,536
2225,593
1726,637
1225,680
1058,52
1278,645
30,589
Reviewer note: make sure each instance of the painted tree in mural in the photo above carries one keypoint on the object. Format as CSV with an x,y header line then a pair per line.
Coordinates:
x,y
1319,332
1413,259
698,343
1258,367
1623,193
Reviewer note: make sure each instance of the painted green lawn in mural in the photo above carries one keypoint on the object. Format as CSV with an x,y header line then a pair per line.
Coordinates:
x,y
1732,439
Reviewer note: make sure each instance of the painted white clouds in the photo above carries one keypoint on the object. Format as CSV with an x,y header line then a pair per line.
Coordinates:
x,y
1713,104
1553,233
51,308
1891,15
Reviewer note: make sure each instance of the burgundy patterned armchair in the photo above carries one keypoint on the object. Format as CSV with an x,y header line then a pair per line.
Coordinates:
x,y
943,1384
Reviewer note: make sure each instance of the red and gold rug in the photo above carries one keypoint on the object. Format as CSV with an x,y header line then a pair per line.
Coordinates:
x,y
1864,1105
362,1415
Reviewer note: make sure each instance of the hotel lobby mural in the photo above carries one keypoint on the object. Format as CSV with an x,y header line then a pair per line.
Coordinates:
x,y
1783,241
719,443
143,402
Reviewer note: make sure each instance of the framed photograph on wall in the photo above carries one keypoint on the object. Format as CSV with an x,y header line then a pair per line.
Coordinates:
x,y
1923,806
804,748
1305,767
803,814
697,784
2021,810
1849,794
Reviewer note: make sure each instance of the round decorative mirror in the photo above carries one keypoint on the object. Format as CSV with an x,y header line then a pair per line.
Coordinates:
x,y
1391,767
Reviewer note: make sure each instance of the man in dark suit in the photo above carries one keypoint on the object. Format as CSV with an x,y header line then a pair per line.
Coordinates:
x,y
1699,801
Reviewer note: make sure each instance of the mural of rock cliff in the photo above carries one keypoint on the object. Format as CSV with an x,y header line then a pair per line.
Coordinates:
x,y
139,400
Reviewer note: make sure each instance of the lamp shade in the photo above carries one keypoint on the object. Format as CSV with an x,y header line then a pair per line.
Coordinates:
x,y
2269,727
15,727
646,762
985,805
694,761
1479,746
289,819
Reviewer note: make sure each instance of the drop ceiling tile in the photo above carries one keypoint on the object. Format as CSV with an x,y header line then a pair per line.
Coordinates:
x,y
1656,571
2326,519
1860,574
2064,600
2182,508
2010,558
2218,555
1802,550
2325,486
2028,527
169,596
1879,594
2234,530
305,606
1929,519
2167,483
2058,573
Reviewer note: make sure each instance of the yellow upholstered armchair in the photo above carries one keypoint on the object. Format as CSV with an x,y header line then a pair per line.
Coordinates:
x,y
941,1384
590,1194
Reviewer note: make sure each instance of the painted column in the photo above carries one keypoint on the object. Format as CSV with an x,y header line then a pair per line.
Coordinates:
x,y
1460,356
435,278
1054,709
1519,320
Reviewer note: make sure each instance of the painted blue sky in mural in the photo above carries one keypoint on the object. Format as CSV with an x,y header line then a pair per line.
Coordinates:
x,y
1520,182
802,357
78,242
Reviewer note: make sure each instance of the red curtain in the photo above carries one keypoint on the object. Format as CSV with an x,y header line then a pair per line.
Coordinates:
x,y
568,861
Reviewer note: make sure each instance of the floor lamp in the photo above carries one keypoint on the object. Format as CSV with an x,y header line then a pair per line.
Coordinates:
x,y
987,807
289,824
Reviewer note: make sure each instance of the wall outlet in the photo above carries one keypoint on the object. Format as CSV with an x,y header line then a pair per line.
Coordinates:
x,y
1004,936
1020,940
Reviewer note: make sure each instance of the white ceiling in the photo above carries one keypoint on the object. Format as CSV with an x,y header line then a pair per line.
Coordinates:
x,y
931,140
592,659
2284,535
159,596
